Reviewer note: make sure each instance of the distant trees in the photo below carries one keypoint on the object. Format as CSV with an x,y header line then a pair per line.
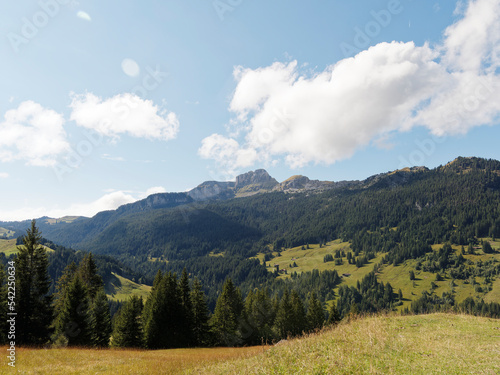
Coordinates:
x,y
412,275
487,249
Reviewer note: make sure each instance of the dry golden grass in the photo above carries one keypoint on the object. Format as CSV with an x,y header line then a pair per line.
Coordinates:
x,y
426,344
109,361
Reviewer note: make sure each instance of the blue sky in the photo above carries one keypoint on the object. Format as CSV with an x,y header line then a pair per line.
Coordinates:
x,y
103,103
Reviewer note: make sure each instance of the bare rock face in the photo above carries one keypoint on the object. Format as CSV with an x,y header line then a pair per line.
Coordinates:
x,y
258,178
303,183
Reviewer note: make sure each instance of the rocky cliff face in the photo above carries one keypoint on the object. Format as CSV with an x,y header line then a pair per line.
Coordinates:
x,y
260,177
246,184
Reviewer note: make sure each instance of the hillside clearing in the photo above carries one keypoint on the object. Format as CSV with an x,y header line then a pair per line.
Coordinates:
x,y
120,288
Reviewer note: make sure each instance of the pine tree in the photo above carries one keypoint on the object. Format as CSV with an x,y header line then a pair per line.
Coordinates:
x,y
33,302
227,314
73,322
127,332
315,313
200,315
100,320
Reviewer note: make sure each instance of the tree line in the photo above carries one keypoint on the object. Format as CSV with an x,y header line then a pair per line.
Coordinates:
x,y
174,315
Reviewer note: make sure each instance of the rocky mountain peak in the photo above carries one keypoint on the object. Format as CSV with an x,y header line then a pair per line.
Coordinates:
x,y
258,177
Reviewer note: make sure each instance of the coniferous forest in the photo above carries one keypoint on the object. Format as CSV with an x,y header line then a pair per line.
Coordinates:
x,y
210,289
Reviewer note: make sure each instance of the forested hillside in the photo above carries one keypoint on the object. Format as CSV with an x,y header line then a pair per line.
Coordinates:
x,y
457,203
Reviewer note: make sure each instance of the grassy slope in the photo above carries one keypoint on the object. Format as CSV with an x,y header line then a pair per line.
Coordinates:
x,y
8,233
9,247
108,361
398,277
312,258
120,289
425,344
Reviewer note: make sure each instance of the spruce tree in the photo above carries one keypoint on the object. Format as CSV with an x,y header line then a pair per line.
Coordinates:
x,y
186,323
227,314
62,287
163,313
283,324
73,322
100,320
333,315
88,272
127,331
199,314
299,320
33,303
315,313
150,314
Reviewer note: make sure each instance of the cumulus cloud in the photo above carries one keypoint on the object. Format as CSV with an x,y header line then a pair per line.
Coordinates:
x,y
33,134
227,152
388,88
4,175
124,114
110,201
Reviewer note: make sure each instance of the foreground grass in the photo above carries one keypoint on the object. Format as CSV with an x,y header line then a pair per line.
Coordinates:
x,y
425,344
108,361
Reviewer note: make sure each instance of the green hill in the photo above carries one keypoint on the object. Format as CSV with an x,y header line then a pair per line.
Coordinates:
x,y
119,288
425,344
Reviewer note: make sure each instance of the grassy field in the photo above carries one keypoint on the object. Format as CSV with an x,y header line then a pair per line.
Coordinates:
x,y
108,361
9,247
6,232
425,344
312,258
120,289
398,276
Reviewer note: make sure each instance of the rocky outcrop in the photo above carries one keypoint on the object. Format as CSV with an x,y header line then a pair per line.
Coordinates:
x,y
259,178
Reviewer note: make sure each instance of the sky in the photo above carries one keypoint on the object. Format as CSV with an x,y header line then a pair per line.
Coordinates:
x,y
105,102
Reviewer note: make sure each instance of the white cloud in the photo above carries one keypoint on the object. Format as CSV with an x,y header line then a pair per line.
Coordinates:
x,y
227,153
33,134
154,190
112,158
390,87
84,16
110,201
124,114
4,175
